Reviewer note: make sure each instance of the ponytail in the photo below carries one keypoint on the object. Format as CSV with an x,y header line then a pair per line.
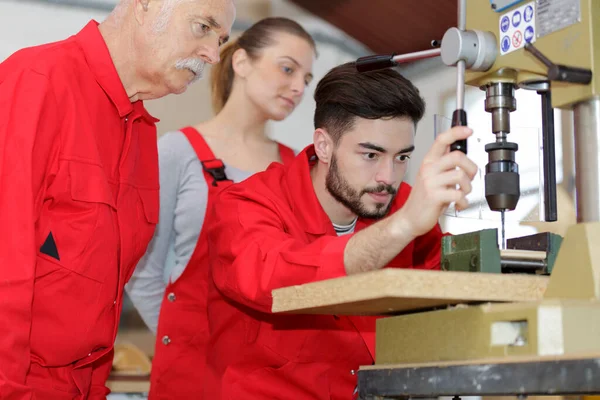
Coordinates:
x,y
222,75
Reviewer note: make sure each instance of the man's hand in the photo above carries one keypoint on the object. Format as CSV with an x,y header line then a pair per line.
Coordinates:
x,y
434,190
444,178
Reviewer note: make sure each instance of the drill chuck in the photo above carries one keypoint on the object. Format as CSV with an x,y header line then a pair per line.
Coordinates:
x,y
502,187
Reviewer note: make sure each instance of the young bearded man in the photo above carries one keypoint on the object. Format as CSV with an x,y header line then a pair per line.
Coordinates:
x,y
339,209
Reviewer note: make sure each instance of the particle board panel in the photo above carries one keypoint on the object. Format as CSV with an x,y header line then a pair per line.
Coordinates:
x,y
394,291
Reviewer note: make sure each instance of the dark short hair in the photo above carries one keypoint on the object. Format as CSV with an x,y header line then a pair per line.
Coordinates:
x,y
345,94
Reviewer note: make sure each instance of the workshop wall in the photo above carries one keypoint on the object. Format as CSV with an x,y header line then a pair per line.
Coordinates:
x,y
24,23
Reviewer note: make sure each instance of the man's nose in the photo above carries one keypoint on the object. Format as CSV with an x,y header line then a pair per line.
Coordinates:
x,y
386,173
210,52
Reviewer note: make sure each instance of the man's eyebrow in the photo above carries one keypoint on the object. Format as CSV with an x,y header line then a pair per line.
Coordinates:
x,y
212,22
371,146
409,149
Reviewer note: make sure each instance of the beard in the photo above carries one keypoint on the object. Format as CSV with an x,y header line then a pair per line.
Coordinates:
x,y
341,190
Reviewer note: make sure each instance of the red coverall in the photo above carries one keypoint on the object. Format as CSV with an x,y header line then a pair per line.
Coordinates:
x,y
178,363
78,205
267,232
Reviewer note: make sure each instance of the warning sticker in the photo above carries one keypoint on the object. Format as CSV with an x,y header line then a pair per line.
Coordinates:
x,y
516,28
554,15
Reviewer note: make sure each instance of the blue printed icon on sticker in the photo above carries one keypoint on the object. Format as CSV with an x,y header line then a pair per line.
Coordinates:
x,y
529,34
505,43
528,14
505,23
516,19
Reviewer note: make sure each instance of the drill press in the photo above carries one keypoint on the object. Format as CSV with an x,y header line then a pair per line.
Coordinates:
x,y
534,39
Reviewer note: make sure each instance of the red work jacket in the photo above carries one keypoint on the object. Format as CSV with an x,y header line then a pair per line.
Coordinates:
x,y
178,364
267,232
78,205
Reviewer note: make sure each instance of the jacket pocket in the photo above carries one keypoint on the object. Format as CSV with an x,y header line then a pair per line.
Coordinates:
x,y
89,184
88,235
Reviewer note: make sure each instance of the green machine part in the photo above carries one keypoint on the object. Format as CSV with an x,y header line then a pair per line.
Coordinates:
x,y
478,251
472,252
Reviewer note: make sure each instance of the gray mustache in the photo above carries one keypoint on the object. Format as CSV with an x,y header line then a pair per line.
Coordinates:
x,y
193,64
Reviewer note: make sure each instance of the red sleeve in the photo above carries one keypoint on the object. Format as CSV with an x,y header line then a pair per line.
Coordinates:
x,y
427,252
28,119
251,254
100,373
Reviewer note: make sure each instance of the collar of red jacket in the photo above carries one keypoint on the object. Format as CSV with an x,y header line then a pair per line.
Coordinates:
x,y
303,198
101,64
305,203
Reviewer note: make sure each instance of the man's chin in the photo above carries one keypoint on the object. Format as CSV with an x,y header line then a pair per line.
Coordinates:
x,y
373,205
375,210
371,212
196,78
181,87
180,90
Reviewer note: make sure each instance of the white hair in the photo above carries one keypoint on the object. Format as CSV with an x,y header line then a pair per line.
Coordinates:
x,y
165,15
161,22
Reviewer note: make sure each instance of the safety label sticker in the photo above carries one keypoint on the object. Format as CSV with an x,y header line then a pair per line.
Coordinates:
x,y
516,28
554,15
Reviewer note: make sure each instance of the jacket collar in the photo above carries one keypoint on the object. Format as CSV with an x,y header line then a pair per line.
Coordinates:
x,y
101,64
303,198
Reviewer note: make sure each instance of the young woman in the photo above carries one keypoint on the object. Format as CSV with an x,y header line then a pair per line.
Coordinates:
x,y
261,77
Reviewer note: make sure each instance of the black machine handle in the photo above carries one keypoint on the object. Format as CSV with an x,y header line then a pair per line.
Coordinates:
x,y
561,73
549,160
372,63
459,118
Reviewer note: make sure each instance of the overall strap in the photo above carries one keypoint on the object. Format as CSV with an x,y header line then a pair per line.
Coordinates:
x,y
214,169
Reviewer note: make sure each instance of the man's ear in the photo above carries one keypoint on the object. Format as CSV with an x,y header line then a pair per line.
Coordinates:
x,y
324,145
240,62
140,8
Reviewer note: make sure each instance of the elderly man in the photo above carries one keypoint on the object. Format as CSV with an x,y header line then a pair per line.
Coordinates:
x,y
79,184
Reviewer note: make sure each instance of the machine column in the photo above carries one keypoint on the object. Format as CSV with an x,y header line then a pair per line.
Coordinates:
x,y
587,160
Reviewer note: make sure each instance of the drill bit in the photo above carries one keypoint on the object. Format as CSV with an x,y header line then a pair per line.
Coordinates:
x,y
503,234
